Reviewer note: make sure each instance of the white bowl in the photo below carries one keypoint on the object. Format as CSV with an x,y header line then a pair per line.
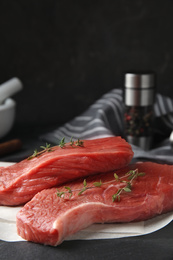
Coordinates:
x,y
7,116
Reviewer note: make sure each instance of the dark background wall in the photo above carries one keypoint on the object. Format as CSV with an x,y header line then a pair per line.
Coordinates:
x,y
69,53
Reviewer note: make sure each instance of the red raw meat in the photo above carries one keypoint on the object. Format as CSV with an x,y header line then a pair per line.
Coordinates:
x,y
20,182
49,219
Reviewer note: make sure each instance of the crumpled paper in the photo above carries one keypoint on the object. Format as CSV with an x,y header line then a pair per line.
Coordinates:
x,y
8,230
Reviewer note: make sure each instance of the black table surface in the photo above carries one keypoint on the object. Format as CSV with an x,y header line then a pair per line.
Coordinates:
x,y
157,245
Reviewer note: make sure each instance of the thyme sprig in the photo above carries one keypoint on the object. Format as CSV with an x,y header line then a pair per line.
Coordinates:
x,y
49,148
62,142
72,143
77,143
36,153
130,176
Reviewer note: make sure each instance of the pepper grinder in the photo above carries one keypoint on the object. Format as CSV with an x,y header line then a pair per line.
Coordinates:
x,y
139,95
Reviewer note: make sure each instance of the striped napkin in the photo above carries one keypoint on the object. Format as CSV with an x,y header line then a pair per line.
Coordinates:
x,y
104,118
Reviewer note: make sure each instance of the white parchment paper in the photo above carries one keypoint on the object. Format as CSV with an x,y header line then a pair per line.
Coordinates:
x,y
97,231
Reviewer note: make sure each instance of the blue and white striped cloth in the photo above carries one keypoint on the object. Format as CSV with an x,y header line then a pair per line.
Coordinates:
x,y
104,118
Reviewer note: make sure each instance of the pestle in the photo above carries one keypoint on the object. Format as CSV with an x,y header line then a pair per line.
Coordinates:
x,y
9,88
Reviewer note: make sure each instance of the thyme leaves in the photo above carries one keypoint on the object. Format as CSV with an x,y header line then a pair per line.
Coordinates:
x,y
127,180
49,148
131,175
36,153
62,142
98,184
79,142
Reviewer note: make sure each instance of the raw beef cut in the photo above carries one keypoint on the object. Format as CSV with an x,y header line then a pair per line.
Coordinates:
x,y
49,219
20,182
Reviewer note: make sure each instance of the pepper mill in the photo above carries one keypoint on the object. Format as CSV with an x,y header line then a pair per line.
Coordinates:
x,y
139,95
